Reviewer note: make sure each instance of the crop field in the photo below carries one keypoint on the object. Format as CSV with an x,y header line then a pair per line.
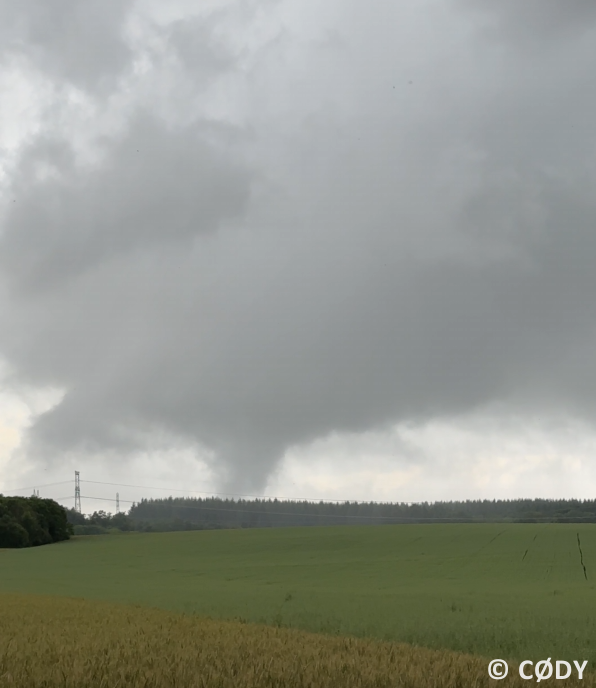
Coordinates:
x,y
50,642
515,591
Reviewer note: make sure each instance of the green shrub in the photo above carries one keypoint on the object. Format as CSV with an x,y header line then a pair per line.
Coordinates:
x,y
31,521
12,533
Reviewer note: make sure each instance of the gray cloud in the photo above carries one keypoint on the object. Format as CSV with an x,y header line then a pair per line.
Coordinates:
x,y
193,41
536,22
408,251
82,42
154,186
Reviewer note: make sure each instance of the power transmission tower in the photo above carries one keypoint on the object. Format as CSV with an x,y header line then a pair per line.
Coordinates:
x,y
117,503
77,505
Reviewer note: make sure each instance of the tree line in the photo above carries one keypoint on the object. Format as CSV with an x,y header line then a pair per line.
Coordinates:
x,y
31,521
189,513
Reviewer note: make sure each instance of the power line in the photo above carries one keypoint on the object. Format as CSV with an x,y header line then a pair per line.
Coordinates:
x,y
205,492
78,497
32,487
232,494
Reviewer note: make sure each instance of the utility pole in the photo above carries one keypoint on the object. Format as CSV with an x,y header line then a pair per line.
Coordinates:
x,y
77,505
117,503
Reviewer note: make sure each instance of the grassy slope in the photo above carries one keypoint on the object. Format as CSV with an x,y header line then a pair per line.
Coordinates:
x,y
465,587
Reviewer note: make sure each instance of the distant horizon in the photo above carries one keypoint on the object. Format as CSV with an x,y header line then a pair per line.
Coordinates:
x,y
205,495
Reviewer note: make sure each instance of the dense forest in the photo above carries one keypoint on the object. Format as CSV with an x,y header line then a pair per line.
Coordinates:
x,y
31,521
229,513
178,513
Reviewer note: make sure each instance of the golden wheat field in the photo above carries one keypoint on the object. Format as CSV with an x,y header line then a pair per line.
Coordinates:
x,y
51,642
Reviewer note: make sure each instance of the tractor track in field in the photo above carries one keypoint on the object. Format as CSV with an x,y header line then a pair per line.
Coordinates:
x,y
581,557
496,536
487,544
533,540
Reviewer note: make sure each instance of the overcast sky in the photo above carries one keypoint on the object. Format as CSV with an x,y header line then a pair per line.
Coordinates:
x,y
294,248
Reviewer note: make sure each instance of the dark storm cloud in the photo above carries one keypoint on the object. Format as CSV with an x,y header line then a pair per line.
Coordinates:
x,y
425,252
154,186
81,42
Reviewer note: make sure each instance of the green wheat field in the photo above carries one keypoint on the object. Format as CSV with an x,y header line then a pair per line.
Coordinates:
x,y
514,591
